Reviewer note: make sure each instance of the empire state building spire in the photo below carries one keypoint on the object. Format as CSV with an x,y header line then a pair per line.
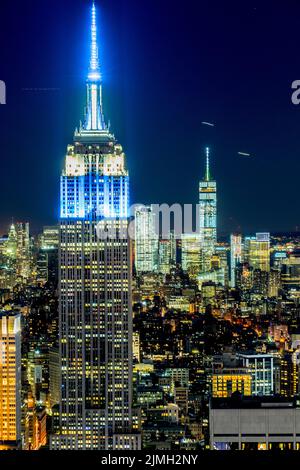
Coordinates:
x,y
94,71
94,120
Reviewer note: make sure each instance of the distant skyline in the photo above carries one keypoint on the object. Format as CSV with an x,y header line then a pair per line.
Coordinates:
x,y
167,68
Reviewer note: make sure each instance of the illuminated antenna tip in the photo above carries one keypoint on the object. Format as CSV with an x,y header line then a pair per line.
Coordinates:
x,y
94,72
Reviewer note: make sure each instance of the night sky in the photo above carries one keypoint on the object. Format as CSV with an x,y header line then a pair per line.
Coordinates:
x,y
167,66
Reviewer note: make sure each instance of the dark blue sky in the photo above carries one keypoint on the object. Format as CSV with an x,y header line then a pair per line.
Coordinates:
x,y
167,66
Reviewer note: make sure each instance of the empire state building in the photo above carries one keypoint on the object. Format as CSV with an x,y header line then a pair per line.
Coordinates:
x,y
95,318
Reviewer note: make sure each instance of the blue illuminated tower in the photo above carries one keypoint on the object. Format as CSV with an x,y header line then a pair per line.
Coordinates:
x,y
208,216
95,318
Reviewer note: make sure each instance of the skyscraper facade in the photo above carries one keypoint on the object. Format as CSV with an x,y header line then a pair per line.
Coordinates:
x,y
235,255
11,244
190,253
95,321
208,216
10,380
165,256
261,368
23,267
146,240
257,250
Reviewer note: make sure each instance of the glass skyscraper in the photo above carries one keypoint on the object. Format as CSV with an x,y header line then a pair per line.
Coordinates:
x,y
257,251
190,253
208,216
146,240
95,320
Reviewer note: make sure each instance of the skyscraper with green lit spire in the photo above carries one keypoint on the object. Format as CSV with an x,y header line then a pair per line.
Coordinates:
x,y
208,216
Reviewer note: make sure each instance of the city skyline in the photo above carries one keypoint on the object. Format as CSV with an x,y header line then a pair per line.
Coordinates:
x,y
127,62
129,326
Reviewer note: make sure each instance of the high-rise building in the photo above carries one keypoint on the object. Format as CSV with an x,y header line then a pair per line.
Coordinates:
x,y
235,255
10,380
244,277
9,254
23,266
54,376
190,253
261,368
50,237
274,283
136,347
11,243
47,256
291,272
220,262
95,315
35,427
164,256
227,381
289,374
173,247
181,398
257,251
260,282
42,267
208,216
208,291
179,375
146,240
